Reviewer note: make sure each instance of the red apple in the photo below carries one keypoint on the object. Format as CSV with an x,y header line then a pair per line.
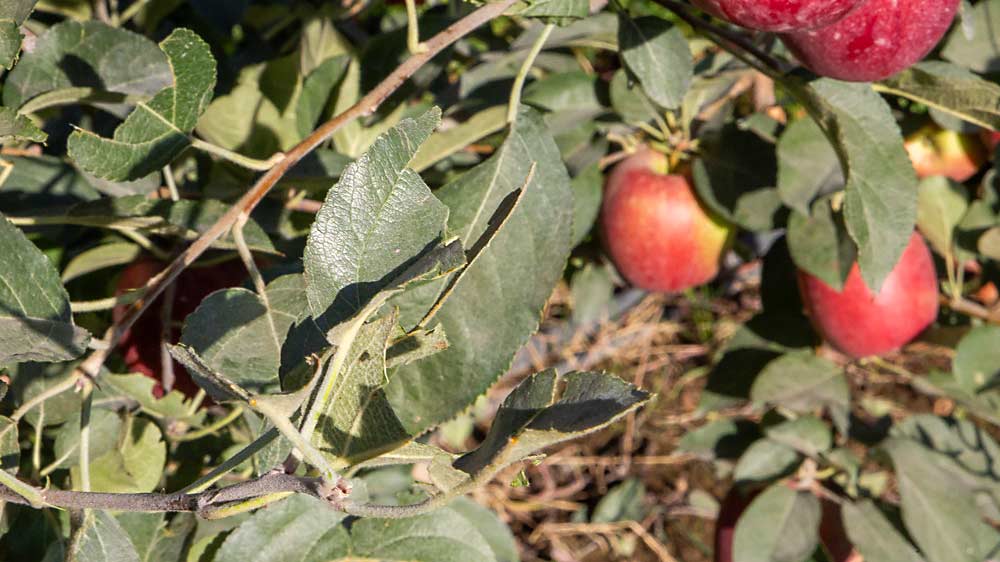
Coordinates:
x,y
779,15
860,323
991,139
939,152
875,41
656,231
140,345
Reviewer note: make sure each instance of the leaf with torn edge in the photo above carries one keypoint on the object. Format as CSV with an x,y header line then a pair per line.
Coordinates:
x,y
157,131
15,127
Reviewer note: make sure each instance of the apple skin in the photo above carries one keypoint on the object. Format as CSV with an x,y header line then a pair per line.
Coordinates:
x,y
779,15
875,41
140,345
861,324
655,230
939,152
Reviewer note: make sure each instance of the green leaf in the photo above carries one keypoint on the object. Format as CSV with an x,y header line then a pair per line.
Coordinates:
x,y
942,518
14,127
35,319
237,335
134,466
735,177
807,165
657,54
765,460
100,257
874,536
537,414
74,54
101,538
807,435
591,289
10,448
880,206
989,244
12,15
781,525
720,439
157,131
974,44
281,532
358,423
629,101
443,536
560,10
588,188
172,406
820,245
623,502
377,219
105,426
941,205
517,269
803,382
447,142
977,358
156,540
951,89
496,533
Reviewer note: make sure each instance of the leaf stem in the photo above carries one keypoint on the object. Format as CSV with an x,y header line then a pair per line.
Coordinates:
x,y
522,75
413,29
106,304
236,158
85,408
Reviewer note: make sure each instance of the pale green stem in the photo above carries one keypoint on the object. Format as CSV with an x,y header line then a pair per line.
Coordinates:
x,y
283,424
36,450
199,397
244,506
88,401
168,176
146,244
413,29
54,465
330,376
236,158
130,12
106,304
522,75
222,422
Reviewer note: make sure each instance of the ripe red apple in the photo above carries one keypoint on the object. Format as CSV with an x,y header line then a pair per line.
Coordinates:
x,y
939,152
779,15
875,41
140,345
656,231
861,324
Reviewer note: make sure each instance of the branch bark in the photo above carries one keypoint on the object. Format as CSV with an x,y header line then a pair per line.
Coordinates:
x,y
366,106
203,503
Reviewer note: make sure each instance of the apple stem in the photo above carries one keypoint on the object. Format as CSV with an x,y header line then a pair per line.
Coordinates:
x,y
88,401
413,29
522,75
236,158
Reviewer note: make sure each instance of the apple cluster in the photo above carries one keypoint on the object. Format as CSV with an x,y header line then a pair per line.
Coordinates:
x,y
662,239
854,40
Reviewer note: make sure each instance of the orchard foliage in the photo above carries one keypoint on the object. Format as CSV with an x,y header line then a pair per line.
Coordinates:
x,y
252,252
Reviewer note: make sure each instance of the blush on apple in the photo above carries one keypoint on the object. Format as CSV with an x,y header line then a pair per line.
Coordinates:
x,y
655,230
875,41
779,15
860,323
141,345
939,152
